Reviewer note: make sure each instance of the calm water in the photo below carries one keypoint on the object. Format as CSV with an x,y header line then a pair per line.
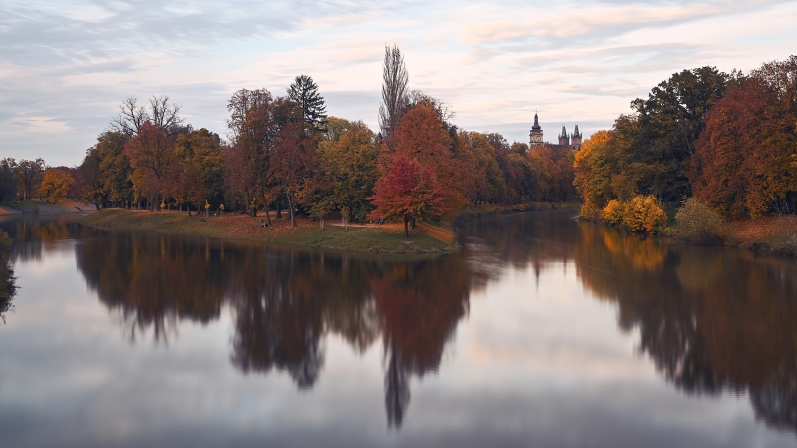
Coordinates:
x,y
542,332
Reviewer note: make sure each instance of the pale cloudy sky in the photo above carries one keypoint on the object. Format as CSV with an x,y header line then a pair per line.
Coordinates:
x,y
65,66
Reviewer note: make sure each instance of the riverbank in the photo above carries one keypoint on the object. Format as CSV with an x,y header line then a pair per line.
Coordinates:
x,y
375,239
44,208
775,234
470,212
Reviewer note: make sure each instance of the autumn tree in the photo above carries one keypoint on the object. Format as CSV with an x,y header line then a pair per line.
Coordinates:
x,y
304,91
394,91
152,156
201,168
346,171
482,179
292,162
161,114
743,164
241,105
105,176
592,174
409,191
55,184
421,137
29,176
669,121
252,130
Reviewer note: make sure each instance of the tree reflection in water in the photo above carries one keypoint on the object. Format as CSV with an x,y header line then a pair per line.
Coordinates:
x,y
7,281
285,302
419,306
711,319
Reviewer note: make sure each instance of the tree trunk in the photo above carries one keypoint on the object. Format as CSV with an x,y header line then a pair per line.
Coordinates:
x,y
291,212
268,215
279,210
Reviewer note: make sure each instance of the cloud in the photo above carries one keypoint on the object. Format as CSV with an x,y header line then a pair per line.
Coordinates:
x,y
36,125
70,63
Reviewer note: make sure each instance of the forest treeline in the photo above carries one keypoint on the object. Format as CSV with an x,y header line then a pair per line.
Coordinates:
x,y
286,154
728,140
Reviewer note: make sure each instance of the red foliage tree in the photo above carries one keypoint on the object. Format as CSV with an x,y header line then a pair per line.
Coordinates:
x,y
421,136
409,191
742,163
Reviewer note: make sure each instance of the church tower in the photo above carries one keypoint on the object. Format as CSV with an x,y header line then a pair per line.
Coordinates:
x,y
576,139
535,136
564,139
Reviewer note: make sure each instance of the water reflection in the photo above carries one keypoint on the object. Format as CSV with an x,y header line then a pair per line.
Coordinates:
x,y
7,281
712,320
284,302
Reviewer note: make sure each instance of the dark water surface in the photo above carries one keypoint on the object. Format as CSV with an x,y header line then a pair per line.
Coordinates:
x,y
542,332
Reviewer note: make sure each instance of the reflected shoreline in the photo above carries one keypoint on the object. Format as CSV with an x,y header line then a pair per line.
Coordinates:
x,y
711,319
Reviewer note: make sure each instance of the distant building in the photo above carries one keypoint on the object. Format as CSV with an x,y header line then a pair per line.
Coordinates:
x,y
535,136
566,141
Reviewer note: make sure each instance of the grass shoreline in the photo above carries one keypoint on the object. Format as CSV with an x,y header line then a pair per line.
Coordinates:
x,y
385,239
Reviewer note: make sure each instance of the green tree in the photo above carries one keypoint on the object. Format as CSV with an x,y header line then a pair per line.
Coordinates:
x,y
304,91
8,182
669,122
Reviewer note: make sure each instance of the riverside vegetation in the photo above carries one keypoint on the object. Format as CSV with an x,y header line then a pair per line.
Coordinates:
x,y
721,144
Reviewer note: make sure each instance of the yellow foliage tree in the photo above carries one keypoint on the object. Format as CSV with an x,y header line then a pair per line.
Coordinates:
x,y
592,176
644,214
55,185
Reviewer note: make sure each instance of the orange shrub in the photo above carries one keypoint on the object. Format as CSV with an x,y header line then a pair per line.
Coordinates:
x,y
644,214
614,212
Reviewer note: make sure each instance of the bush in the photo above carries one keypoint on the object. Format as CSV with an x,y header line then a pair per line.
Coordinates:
x,y
644,214
589,211
698,223
613,212
640,214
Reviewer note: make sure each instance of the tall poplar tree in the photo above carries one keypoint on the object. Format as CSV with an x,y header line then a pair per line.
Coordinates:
x,y
395,100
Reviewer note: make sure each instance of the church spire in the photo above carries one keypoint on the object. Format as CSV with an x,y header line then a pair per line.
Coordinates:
x,y
535,135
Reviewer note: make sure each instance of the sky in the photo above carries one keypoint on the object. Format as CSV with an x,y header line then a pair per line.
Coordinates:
x,y
66,66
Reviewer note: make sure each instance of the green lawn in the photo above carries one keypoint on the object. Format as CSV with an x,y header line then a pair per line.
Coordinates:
x,y
377,240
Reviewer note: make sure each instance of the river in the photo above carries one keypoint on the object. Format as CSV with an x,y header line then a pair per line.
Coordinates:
x,y
542,331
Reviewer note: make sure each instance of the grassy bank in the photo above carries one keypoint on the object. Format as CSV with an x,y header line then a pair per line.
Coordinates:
x,y
382,239
776,234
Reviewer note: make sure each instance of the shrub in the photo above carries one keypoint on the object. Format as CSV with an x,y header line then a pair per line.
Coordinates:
x,y
698,223
644,214
613,212
589,211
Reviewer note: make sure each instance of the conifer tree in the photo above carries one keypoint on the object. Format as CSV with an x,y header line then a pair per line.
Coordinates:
x,y
305,92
